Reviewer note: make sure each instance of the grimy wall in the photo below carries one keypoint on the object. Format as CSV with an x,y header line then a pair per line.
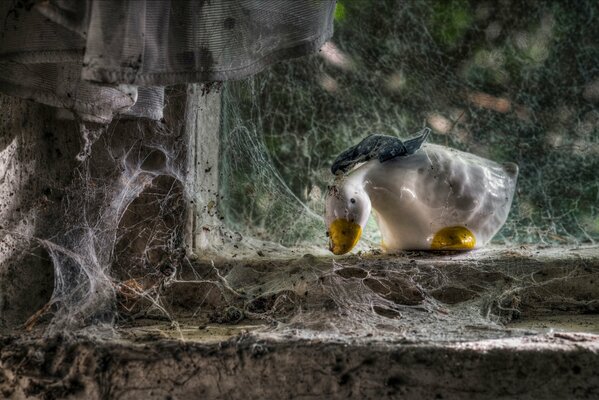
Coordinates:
x,y
37,155
119,218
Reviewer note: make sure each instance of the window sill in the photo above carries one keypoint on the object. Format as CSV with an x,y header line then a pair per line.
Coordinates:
x,y
431,349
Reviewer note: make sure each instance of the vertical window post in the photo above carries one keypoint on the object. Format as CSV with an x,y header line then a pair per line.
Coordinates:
x,y
203,108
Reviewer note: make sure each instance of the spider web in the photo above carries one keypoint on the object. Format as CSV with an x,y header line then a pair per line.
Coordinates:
x,y
515,84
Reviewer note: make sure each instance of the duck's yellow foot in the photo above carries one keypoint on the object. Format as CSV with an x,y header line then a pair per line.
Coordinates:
x,y
453,238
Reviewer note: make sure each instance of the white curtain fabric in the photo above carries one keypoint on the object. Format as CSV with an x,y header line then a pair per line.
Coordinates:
x,y
99,58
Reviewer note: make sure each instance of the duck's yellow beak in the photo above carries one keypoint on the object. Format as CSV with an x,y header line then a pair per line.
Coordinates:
x,y
343,236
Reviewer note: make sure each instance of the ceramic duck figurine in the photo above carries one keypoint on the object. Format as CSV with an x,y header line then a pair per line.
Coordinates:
x,y
425,196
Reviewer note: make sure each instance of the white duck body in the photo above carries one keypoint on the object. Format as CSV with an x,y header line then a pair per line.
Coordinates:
x,y
422,197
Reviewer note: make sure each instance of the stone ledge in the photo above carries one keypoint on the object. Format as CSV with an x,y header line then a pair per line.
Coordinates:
x,y
561,365
438,343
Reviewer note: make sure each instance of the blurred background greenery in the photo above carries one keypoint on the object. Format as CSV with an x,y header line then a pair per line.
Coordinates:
x,y
509,80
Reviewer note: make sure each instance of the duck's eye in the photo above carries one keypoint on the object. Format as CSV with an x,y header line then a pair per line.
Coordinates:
x,y
352,200
328,234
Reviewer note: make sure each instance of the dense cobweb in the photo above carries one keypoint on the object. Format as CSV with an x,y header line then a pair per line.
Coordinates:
x,y
512,82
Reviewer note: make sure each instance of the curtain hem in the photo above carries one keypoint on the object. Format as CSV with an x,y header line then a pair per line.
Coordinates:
x,y
115,76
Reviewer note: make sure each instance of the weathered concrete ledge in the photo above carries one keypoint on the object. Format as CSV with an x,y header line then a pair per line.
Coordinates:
x,y
249,366
413,326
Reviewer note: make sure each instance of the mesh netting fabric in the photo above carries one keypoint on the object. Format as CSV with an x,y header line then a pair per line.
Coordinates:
x,y
123,45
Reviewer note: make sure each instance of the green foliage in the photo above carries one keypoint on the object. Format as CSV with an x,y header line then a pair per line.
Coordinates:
x,y
339,12
450,20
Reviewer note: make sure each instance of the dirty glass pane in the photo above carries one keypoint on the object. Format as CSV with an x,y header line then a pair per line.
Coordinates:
x,y
509,81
